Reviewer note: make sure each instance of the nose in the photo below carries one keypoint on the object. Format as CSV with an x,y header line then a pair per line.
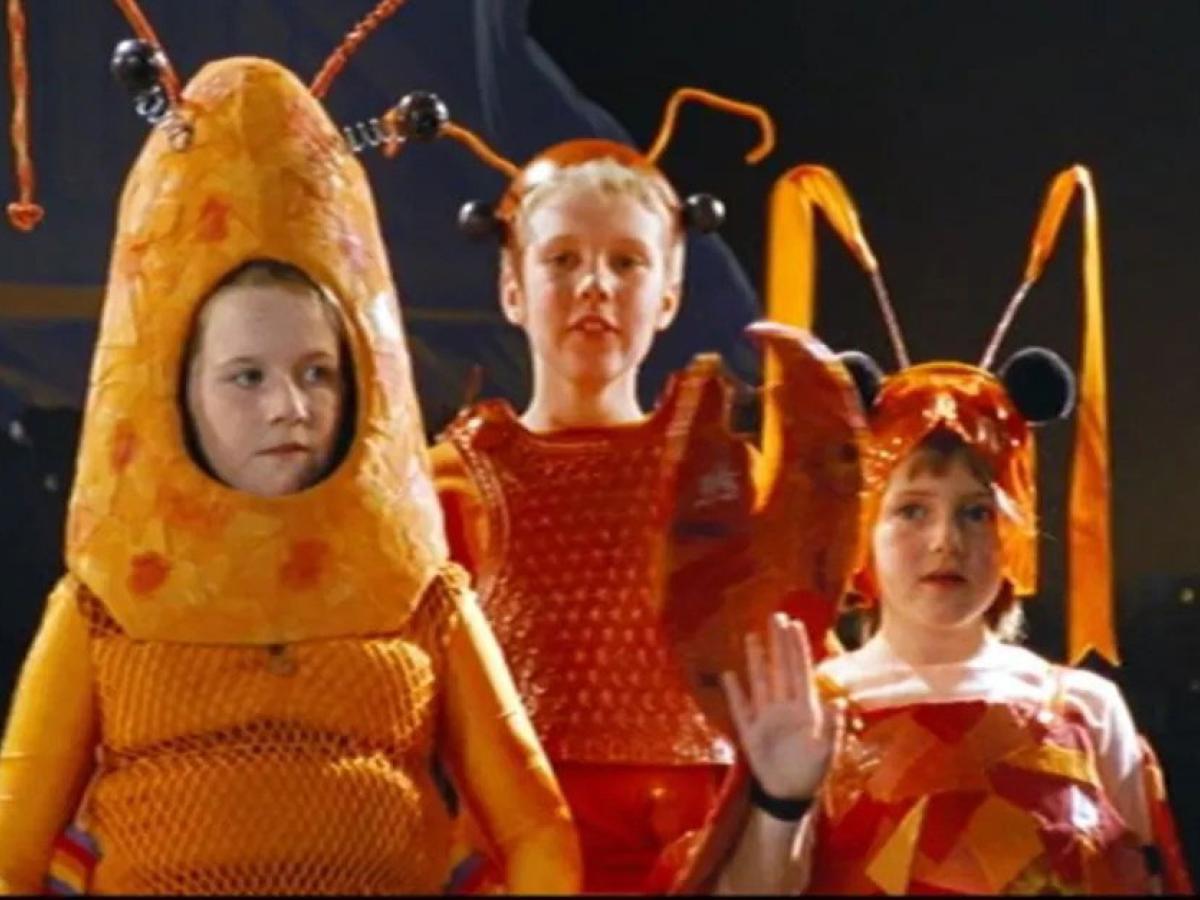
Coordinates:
x,y
287,403
946,534
595,284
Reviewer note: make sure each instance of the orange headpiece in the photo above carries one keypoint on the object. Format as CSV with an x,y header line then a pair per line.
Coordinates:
x,y
991,412
423,116
245,164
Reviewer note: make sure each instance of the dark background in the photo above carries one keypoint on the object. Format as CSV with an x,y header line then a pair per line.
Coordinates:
x,y
945,118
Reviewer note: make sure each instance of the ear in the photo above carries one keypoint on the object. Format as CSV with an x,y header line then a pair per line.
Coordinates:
x,y
669,309
676,254
1040,384
868,377
512,295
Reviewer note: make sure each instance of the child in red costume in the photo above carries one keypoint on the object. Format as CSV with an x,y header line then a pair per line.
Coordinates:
x,y
560,511
939,757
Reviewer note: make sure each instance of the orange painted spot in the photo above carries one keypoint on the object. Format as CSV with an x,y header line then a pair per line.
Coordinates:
x,y
147,571
214,220
305,564
123,445
202,515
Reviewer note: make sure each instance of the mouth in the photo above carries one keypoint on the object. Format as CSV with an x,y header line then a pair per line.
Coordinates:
x,y
948,578
593,324
283,450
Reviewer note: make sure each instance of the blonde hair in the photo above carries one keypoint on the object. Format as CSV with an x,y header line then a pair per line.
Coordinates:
x,y
610,178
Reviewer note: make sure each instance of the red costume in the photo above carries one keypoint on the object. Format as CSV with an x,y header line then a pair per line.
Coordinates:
x,y
1001,773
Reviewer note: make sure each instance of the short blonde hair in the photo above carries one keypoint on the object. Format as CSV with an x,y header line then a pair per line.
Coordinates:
x,y
608,177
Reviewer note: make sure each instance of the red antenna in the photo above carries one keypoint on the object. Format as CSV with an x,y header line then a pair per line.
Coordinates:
x,y
350,44
23,213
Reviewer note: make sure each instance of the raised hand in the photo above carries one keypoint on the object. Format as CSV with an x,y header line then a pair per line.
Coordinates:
x,y
784,731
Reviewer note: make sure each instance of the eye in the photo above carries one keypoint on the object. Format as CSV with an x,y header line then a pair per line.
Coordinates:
x,y
319,373
247,378
911,511
561,260
626,262
979,513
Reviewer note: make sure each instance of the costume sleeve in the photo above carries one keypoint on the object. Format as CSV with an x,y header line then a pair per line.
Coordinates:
x,y
462,509
1172,862
45,760
1118,747
500,768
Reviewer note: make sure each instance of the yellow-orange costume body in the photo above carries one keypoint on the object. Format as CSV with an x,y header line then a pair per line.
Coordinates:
x,y
255,690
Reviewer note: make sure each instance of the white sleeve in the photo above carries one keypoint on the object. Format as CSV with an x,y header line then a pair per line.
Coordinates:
x,y
1117,745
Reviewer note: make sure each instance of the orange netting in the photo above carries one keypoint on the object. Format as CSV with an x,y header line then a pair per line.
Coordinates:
x,y
260,769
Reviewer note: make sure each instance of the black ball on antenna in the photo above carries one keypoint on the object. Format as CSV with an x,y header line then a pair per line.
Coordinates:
x,y
422,115
868,377
135,65
477,220
1040,383
703,212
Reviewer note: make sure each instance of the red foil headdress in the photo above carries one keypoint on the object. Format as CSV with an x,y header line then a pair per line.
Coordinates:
x,y
972,400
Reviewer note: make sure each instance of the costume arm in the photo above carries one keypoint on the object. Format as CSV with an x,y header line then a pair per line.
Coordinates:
x,y
499,765
1133,780
1118,748
46,757
771,857
462,509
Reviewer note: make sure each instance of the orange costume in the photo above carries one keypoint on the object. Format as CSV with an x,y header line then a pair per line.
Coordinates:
x,y
1002,773
249,694
566,533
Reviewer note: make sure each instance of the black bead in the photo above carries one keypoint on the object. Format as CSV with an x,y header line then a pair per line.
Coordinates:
x,y
422,115
477,220
703,212
1040,383
135,65
868,377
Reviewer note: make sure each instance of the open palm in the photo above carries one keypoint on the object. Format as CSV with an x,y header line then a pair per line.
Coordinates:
x,y
785,733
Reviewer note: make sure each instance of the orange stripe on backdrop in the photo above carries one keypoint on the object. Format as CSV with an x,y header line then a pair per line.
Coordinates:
x,y
45,301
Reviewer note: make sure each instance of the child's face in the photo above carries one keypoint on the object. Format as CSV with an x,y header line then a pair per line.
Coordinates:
x,y
936,546
595,283
265,388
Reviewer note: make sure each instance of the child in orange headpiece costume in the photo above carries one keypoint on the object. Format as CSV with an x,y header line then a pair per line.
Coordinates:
x,y
562,512
957,761
260,651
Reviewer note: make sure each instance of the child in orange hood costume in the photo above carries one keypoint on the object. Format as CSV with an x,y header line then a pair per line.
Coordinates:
x,y
254,690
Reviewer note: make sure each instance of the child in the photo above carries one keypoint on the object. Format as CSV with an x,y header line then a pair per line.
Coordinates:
x,y
957,761
259,653
560,511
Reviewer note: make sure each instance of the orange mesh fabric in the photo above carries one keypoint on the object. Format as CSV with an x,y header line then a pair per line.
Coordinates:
x,y
969,798
571,586
261,769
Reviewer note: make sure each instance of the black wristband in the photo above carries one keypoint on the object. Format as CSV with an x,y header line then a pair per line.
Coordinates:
x,y
778,807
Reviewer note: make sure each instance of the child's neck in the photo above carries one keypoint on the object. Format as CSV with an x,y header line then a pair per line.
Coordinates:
x,y
924,647
559,403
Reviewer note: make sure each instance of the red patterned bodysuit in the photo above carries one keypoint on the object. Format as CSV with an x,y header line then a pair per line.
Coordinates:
x,y
564,533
